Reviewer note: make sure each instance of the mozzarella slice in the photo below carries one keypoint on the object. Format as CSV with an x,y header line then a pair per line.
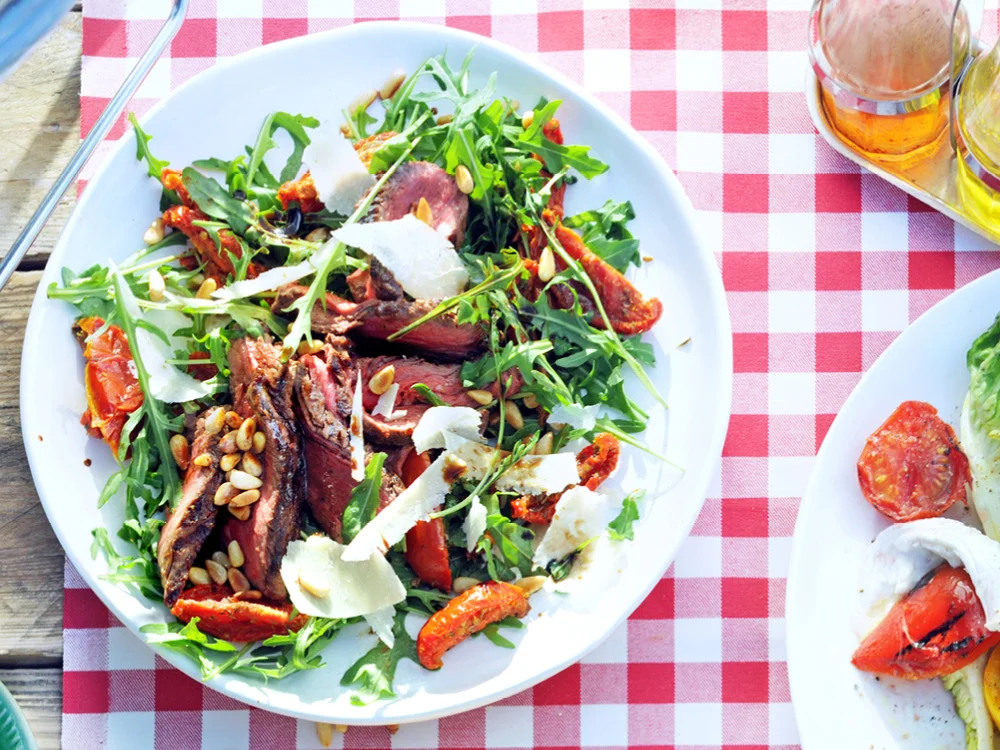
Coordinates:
x,y
579,517
340,176
575,415
357,435
353,588
423,261
438,422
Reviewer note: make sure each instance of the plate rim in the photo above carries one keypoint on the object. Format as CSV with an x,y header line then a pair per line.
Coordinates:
x,y
715,302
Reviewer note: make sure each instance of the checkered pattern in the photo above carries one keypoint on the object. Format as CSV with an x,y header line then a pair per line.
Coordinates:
x,y
823,266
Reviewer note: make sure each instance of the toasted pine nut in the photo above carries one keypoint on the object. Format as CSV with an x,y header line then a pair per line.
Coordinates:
x,y
248,497
227,443
228,462
463,178
215,421
445,119
233,419
319,234
310,347
207,287
382,379
531,401
248,596
544,445
531,584
221,558
324,732
463,584
244,435
546,265
237,580
251,465
157,286
392,84
243,481
225,493
424,213
513,415
480,397
259,442
236,554
527,119
155,232
363,101
180,450
216,571
312,585
241,513
345,130
515,104
199,576
205,459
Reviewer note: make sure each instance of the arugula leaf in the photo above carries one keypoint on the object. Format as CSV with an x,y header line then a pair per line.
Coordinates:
x,y
621,527
492,631
424,391
556,157
373,673
606,233
388,153
523,356
513,542
155,166
215,201
364,498
295,126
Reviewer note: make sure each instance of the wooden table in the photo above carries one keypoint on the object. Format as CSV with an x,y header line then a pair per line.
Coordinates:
x,y
39,131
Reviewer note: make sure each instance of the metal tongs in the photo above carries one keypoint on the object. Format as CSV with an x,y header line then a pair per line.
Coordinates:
x,y
97,133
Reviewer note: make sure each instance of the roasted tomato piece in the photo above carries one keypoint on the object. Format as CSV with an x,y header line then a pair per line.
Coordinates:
x,y
234,619
218,263
426,542
466,614
936,629
302,191
202,372
366,147
912,466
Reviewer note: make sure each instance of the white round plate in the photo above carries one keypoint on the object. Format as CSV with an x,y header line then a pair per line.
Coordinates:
x,y
218,112
836,705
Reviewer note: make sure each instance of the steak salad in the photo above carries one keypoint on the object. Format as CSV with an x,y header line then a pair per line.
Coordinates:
x,y
384,379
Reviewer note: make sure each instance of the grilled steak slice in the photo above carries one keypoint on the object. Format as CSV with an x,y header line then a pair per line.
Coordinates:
x,y
262,388
375,319
323,396
420,179
375,282
191,522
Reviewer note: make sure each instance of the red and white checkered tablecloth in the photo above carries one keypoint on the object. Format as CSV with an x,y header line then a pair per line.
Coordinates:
x,y
823,266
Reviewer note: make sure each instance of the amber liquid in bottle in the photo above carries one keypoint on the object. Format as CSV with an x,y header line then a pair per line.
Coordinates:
x,y
979,128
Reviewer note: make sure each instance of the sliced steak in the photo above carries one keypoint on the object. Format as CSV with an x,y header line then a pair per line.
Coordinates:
x,y
420,179
191,522
263,387
375,282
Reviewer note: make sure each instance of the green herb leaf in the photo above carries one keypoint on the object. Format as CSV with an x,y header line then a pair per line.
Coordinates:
x,y
216,201
621,527
155,166
364,499
425,392
295,126
373,673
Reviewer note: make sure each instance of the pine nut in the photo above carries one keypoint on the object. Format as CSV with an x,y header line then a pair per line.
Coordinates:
x,y
221,558
319,234
157,286
205,459
228,462
324,732
233,419
544,445
313,585
345,131
248,497
515,104
243,481
215,421
392,84
527,119
154,233
251,465
531,584
216,571
445,119
244,436
463,178
531,401
236,554
180,450
225,493
248,596
206,289
259,442
310,347
237,580
546,265
480,397
463,584
424,212
241,513
195,281
199,576
513,415
382,379
227,443
364,101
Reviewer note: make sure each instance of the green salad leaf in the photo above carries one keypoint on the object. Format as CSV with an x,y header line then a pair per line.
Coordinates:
x,y
364,499
371,676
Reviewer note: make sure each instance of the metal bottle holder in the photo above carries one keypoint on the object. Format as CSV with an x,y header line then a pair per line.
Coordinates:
x,y
930,176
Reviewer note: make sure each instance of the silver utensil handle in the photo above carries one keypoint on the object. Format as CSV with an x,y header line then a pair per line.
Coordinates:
x,y
97,133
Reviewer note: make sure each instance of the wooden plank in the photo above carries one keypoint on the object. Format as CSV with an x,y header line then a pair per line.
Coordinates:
x,y
39,694
40,131
31,590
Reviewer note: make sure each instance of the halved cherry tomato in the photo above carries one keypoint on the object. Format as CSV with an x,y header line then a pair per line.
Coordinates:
x,y
235,619
426,542
912,466
936,629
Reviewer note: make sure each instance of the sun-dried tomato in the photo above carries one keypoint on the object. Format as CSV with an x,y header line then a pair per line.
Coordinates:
x,y
201,372
234,619
217,263
171,180
466,614
553,131
302,191
367,147
594,464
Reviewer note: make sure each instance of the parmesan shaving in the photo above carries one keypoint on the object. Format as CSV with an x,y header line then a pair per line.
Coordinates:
x,y
576,416
381,622
438,422
474,525
386,406
341,178
580,516
357,435
279,276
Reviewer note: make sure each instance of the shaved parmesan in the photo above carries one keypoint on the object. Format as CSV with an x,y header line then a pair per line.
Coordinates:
x,y
423,261
279,276
357,588
340,176
532,475
381,622
357,435
475,524
386,406
580,517
575,415
438,422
